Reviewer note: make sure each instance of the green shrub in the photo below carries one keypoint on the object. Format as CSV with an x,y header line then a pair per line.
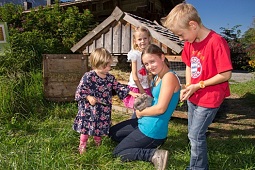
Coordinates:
x,y
44,31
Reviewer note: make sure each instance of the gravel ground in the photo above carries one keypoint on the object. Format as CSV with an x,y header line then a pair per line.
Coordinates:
x,y
241,76
238,76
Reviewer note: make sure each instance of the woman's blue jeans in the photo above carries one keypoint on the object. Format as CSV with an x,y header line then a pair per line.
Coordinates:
x,y
133,144
199,118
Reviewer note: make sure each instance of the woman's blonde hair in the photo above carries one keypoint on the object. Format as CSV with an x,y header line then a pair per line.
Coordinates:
x,y
100,57
180,16
137,30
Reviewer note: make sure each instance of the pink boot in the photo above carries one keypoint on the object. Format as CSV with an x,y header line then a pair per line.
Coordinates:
x,y
97,140
83,143
82,148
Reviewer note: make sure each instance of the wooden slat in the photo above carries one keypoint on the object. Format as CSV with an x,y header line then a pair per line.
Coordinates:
x,y
126,38
91,34
108,40
116,38
176,58
99,42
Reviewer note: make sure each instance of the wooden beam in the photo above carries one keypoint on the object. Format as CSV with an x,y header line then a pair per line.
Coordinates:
x,y
176,58
93,33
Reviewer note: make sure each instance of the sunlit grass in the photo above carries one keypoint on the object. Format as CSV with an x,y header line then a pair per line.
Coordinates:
x,y
37,134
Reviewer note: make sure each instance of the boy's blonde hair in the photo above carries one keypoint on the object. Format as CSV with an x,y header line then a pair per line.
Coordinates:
x,y
180,16
137,30
100,57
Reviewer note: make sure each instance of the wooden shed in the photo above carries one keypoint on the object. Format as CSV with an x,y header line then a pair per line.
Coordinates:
x,y
62,72
115,34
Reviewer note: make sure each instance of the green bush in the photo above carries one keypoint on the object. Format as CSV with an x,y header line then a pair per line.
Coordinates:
x,y
44,31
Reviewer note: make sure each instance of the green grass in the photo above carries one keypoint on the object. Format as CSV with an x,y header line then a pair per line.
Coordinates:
x,y
246,91
37,134
52,144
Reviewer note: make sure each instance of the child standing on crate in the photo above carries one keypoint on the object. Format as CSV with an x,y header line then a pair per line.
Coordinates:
x,y
94,96
138,80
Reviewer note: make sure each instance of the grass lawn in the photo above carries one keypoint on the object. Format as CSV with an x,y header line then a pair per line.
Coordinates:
x,y
47,141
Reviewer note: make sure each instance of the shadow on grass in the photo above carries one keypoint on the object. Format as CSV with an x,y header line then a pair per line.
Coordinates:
x,y
235,117
230,148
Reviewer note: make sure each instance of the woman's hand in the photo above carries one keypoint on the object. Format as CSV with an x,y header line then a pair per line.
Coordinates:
x,y
138,114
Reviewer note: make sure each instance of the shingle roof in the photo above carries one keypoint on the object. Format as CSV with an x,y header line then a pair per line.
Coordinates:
x,y
158,28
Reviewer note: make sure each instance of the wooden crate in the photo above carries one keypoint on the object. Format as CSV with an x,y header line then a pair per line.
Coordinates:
x,y
61,75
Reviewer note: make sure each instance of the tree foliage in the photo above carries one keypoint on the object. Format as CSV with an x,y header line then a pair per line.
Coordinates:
x,y
242,47
43,30
237,50
248,41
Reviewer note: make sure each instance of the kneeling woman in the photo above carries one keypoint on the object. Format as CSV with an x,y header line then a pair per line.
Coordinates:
x,y
139,138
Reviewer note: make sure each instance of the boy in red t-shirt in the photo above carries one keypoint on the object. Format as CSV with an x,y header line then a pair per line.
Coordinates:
x,y
208,69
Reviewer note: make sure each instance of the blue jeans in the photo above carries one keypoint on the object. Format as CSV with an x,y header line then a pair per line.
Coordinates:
x,y
199,118
133,144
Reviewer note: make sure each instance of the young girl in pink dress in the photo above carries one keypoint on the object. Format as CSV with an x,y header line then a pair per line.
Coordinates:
x,y
138,80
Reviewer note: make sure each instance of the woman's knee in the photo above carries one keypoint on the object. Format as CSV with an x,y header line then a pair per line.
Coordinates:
x,y
117,150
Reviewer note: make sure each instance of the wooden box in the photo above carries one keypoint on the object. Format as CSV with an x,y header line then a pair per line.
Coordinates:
x,y
62,74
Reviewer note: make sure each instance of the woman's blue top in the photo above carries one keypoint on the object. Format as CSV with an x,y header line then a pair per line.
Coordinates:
x,y
157,126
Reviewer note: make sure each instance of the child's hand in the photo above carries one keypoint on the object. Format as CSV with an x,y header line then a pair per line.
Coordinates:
x,y
187,92
183,95
92,100
142,91
134,94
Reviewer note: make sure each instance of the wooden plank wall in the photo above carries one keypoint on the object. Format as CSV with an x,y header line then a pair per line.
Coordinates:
x,y
118,39
61,75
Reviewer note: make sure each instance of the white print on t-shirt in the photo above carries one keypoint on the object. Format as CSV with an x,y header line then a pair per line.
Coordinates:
x,y
196,67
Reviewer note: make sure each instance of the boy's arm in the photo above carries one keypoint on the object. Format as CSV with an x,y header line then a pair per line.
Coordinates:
x,y
217,79
188,83
188,76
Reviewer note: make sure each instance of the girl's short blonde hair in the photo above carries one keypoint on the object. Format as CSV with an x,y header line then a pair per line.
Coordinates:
x,y
180,16
100,57
137,30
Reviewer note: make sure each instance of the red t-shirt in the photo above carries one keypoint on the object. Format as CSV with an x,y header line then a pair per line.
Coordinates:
x,y
206,59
